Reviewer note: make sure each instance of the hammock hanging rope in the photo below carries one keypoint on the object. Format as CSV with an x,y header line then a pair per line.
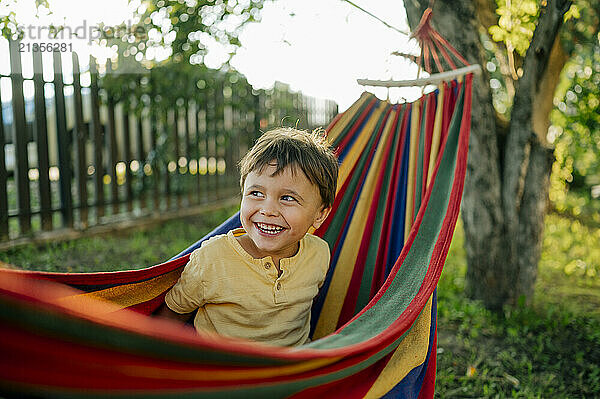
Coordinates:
x,y
373,323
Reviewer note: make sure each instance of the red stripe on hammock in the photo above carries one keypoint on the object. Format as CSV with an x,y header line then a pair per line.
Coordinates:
x,y
105,278
335,120
350,135
429,125
351,297
361,180
340,194
392,197
420,103
354,386
409,315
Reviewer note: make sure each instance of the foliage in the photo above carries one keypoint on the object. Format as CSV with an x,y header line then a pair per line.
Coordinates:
x,y
550,350
189,27
9,26
575,128
516,23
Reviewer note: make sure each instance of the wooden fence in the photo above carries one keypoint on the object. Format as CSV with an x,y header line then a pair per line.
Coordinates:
x,y
74,154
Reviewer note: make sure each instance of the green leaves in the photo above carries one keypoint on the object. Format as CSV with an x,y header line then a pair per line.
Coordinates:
x,y
516,24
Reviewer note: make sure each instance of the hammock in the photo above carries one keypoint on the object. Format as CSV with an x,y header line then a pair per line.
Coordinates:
x,y
373,323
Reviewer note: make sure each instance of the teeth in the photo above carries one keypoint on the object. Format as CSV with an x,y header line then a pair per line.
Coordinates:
x,y
269,228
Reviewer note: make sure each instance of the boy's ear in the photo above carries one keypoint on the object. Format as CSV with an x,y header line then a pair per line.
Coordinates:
x,y
321,216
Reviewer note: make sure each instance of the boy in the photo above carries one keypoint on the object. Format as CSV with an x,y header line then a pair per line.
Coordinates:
x,y
258,282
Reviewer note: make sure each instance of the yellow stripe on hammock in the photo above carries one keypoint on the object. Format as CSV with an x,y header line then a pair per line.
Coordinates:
x,y
124,296
412,167
437,134
411,353
347,116
226,375
342,274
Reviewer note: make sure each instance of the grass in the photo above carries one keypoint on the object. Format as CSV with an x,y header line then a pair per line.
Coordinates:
x,y
550,350
126,250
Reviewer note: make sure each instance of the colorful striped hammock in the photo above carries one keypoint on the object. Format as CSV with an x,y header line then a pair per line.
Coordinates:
x,y
374,321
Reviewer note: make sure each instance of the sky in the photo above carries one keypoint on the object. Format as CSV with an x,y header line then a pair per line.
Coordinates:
x,y
319,47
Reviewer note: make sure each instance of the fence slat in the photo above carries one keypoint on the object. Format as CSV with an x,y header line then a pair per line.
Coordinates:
x,y
219,134
141,158
201,110
98,137
154,164
167,182
197,152
176,117
81,136
113,153
128,157
64,144
20,139
188,149
41,138
4,233
209,140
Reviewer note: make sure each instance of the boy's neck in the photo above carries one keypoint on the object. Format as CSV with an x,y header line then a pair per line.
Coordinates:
x,y
248,245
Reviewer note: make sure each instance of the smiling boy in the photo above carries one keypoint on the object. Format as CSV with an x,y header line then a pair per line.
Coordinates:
x,y
258,282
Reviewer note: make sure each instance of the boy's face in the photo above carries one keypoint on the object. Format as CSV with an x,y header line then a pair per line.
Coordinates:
x,y
277,211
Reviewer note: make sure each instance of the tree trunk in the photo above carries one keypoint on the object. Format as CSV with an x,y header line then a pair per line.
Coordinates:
x,y
508,169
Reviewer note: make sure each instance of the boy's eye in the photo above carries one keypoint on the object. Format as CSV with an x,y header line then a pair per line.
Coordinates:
x,y
256,194
288,198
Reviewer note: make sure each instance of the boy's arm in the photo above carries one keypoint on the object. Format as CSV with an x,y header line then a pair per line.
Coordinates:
x,y
167,313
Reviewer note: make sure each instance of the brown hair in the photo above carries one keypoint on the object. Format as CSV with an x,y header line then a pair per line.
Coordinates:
x,y
292,147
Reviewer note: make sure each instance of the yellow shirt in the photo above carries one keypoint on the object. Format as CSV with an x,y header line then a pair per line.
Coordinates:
x,y
239,296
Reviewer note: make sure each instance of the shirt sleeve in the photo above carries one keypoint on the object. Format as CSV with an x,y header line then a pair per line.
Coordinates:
x,y
187,294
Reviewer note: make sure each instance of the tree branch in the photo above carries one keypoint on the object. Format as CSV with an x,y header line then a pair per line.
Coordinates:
x,y
523,149
521,127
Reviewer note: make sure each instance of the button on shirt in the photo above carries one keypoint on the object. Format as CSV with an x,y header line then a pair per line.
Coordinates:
x,y
240,296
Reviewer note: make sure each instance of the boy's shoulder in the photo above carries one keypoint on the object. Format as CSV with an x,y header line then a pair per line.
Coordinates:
x,y
214,243
313,242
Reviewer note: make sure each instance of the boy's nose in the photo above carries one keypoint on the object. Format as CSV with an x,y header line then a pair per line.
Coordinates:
x,y
269,209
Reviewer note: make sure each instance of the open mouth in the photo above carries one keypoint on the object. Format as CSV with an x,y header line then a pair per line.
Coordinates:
x,y
269,229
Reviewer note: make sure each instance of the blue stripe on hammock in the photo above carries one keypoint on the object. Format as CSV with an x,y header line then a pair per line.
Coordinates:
x,y
410,386
343,153
399,216
232,223
319,300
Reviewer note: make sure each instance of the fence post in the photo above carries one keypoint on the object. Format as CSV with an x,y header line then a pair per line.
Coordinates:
x,y
98,140
127,149
188,150
167,182
202,142
64,144
3,182
141,155
154,164
81,137
177,145
41,138
196,146
20,139
113,153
